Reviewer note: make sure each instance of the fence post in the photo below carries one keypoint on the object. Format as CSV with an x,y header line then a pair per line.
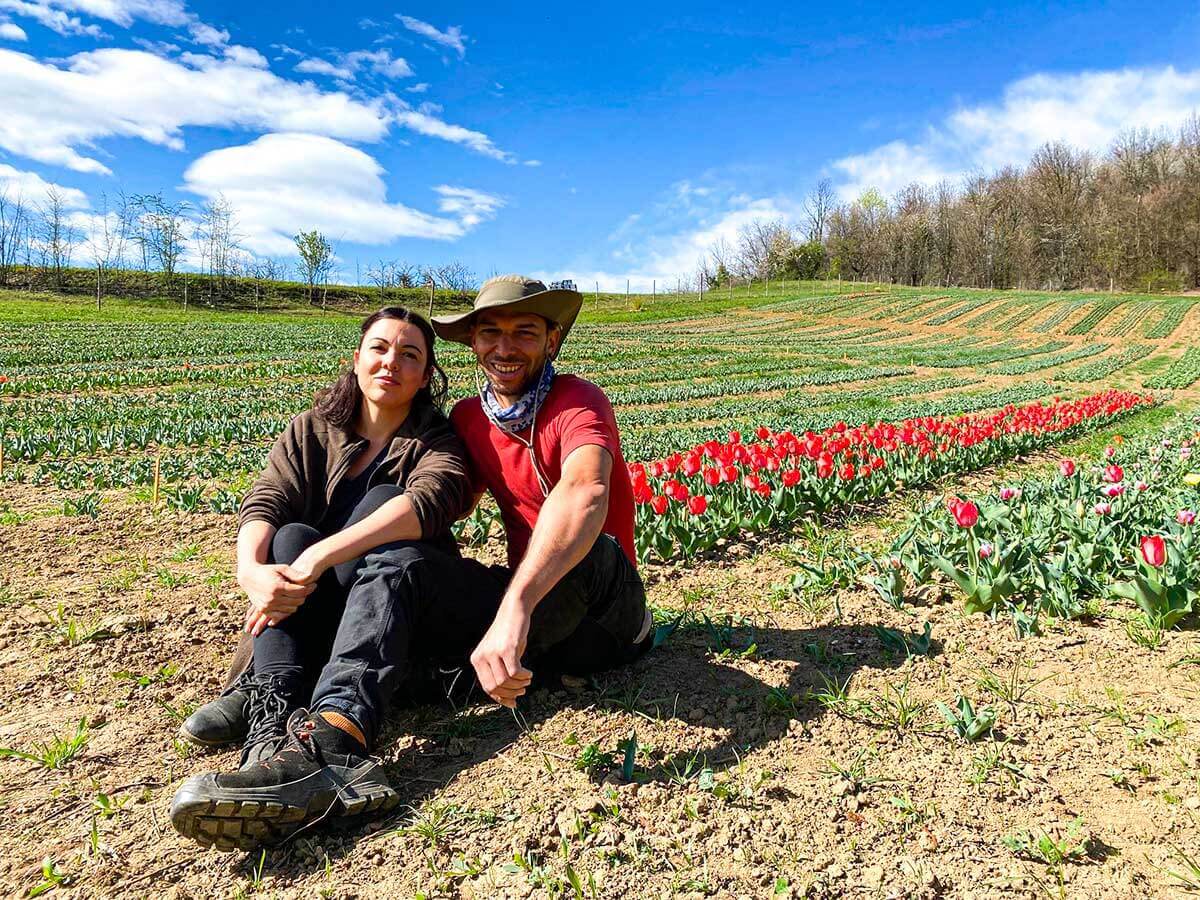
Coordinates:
x,y
185,287
654,288
157,479
1,456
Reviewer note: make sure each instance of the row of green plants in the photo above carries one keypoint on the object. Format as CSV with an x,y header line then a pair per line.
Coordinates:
x,y
1123,528
1052,360
1183,372
1102,368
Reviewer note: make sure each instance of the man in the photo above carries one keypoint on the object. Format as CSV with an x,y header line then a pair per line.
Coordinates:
x,y
571,601
546,447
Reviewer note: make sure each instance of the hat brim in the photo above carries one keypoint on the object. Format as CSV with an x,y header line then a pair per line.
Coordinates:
x,y
560,306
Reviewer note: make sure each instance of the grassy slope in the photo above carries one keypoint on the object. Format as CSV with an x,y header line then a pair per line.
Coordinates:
x,y
20,306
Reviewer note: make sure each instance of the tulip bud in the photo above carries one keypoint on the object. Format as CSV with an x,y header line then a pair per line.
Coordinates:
x,y
1067,468
985,551
1185,517
1141,486
1102,509
1110,452
1079,510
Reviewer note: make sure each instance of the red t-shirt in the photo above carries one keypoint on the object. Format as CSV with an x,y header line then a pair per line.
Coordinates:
x,y
574,414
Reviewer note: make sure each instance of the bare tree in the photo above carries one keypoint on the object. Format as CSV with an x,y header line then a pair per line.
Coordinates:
x,y
58,235
165,231
105,240
755,241
217,240
817,207
14,232
454,276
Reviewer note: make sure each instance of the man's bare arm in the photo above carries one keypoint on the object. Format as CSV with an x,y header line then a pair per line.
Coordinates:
x,y
568,524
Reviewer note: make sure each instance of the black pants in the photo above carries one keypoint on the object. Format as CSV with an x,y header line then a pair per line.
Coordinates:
x,y
372,620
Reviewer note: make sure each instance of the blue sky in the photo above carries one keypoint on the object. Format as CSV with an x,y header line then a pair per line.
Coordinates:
x,y
611,142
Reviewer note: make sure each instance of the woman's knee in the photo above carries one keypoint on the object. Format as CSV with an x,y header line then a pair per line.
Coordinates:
x,y
291,540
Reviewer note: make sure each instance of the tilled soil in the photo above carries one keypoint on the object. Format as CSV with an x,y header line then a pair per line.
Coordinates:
x,y
745,784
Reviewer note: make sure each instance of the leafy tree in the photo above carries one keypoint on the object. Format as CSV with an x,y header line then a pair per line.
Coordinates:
x,y
316,257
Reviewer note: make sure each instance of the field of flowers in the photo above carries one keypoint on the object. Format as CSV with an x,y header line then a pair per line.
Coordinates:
x,y
913,549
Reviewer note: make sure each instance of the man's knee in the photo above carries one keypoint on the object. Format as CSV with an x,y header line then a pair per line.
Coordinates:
x,y
395,560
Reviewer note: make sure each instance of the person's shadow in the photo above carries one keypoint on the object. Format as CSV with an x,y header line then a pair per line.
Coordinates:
x,y
697,677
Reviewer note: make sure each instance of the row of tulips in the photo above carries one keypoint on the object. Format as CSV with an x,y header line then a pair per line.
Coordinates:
x,y
689,500
1124,527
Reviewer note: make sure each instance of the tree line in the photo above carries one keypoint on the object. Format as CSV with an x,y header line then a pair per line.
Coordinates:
x,y
138,244
1068,219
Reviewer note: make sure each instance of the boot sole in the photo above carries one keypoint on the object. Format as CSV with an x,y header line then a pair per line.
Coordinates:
x,y
232,824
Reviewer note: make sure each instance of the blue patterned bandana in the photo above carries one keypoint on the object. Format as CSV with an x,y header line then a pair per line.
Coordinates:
x,y
520,415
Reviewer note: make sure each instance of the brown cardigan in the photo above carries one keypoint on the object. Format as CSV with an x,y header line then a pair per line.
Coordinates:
x,y
312,457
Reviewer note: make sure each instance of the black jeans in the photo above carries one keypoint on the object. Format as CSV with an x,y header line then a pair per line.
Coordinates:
x,y
371,621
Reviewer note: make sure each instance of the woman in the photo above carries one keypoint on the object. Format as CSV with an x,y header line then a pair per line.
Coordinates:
x,y
374,462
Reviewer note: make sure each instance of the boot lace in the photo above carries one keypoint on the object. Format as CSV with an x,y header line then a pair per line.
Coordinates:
x,y
267,711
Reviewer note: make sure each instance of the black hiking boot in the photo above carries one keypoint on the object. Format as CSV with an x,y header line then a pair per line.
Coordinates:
x,y
319,772
223,721
271,702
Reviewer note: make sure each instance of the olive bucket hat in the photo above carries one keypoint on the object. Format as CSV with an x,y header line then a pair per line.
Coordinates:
x,y
513,293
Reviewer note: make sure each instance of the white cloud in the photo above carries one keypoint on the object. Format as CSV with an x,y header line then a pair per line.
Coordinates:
x,y
32,188
315,66
346,66
667,242
63,16
420,88
281,183
1086,109
47,113
12,32
208,35
55,19
452,37
469,206
424,122
532,162
245,56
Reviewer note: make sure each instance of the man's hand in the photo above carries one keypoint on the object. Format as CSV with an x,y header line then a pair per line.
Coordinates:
x,y
497,659
273,595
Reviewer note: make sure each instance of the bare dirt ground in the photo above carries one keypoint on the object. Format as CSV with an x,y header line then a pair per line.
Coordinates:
x,y
745,784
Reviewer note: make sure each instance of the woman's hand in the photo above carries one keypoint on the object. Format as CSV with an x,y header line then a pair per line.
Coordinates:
x,y
308,567
273,595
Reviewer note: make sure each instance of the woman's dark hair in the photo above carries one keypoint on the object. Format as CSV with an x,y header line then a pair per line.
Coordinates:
x,y
338,404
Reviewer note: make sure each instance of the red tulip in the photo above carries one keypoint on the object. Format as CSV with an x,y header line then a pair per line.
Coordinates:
x,y
762,432
965,513
1154,550
1185,517
712,477
791,477
763,490
846,472
1102,509
642,492
1113,473
697,505
824,467
1067,467
735,437
659,504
